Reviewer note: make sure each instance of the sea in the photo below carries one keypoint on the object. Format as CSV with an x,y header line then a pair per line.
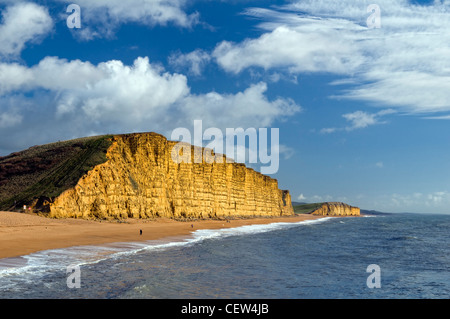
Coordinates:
x,y
384,256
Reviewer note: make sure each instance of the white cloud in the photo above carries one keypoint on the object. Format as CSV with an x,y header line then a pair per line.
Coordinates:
x,y
438,197
9,119
22,23
359,120
415,202
410,91
109,90
443,117
79,98
404,64
429,203
101,18
379,164
249,108
113,91
301,197
296,49
194,61
13,76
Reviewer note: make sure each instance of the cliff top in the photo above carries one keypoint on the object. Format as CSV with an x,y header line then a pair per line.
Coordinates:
x,y
306,208
310,208
47,170
43,172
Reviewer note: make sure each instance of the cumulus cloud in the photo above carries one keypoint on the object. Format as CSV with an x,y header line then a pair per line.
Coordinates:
x,y
80,98
13,76
22,23
404,64
101,18
250,108
114,91
194,61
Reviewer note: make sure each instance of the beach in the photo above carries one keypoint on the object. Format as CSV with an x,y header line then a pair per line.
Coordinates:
x,y
282,258
23,234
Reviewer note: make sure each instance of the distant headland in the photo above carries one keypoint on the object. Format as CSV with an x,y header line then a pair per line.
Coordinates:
x,y
326,209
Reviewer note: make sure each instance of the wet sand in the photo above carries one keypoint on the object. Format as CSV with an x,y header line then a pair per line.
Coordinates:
x,y
22,234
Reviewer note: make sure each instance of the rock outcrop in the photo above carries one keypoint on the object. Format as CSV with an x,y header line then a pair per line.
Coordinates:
x,y
336,209
140,180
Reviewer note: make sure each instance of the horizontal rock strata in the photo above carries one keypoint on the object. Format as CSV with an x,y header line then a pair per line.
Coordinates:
x,y
140,180
336,209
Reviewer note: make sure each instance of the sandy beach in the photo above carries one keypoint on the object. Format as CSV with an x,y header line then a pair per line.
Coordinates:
x,y
22,234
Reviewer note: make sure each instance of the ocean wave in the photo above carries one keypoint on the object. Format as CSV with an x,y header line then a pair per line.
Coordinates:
x,y
203,234
32,266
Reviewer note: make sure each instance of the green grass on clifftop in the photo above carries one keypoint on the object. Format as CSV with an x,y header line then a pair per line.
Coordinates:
x,y
44,172
306,208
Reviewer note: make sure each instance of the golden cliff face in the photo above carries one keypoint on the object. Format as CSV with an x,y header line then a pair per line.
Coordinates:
x,y
336,209
140,180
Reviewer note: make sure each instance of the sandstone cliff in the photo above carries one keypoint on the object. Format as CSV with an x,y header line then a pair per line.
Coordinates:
x,y
336,209
139,179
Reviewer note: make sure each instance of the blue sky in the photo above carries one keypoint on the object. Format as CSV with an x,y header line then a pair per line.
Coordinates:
x,y
363,113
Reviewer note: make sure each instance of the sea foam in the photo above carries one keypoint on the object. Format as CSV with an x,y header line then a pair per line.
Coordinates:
x,y
35,265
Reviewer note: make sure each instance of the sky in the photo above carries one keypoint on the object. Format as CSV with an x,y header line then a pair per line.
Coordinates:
x,y
361,98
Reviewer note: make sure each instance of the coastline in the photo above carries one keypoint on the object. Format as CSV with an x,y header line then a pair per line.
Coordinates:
x,y
22,234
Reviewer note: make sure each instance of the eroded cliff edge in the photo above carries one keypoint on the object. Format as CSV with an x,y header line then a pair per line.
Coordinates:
x,y
140,180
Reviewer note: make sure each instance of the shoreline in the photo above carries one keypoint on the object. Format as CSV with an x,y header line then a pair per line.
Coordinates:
x,y
22,234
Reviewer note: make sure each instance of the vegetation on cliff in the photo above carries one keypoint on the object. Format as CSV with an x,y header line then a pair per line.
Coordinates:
x,y
134,175
41,173
327,209
306,208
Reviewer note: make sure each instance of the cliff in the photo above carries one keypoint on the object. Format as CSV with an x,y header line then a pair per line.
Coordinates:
x,y
40,173
336,209
139,179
